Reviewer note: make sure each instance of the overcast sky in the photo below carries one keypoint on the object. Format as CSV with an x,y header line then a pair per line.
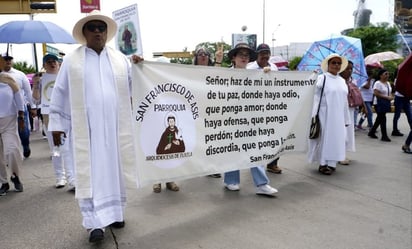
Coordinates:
x,y
173,25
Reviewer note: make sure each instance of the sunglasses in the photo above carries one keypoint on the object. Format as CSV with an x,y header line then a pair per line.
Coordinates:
x,y
202,54
243,55
92,27
336,63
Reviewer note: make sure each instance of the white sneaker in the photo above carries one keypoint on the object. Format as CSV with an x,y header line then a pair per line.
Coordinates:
x,y
60,183
266,190
232,187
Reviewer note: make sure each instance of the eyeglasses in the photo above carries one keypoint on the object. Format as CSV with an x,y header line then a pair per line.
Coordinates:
x,y
336,63
202,54
92,27
244,55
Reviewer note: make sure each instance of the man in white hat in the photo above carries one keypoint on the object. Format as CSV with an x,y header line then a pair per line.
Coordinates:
x,y
89,98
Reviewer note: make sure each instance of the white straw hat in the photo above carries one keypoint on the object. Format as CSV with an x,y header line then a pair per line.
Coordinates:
x,y
324,64
94,15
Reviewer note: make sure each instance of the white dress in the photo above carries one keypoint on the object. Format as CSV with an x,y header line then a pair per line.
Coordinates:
x,y
333,115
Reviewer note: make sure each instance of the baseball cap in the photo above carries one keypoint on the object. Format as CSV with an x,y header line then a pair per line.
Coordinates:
x,y
262,48
6,56
49,56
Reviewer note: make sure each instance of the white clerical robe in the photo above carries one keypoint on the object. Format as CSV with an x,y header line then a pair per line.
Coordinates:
x,y
333,115
91,95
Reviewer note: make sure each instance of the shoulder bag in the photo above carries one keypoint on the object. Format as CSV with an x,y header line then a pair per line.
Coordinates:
x,y
314,131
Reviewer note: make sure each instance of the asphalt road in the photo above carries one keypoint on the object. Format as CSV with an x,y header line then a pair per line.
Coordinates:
x,y
365,205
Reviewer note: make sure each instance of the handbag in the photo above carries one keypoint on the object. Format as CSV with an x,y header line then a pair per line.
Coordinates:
x,y
314,131
383,105
354,96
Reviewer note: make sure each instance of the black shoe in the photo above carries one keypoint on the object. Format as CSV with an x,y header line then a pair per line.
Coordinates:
x,y
405,149
397,133
4,189
385,139
96,235
17,184
215,175
372,135
324,169
118,224
26,151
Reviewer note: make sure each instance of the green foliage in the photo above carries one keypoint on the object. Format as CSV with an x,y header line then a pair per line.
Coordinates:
x,y
24,67
294,62
377,38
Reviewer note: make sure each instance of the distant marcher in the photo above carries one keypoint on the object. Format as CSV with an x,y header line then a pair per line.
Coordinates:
x,y
330,146
382,91
240,56
11,107
367,95
203,58
262,63
407,146
26,92
401,103
42,91
350,129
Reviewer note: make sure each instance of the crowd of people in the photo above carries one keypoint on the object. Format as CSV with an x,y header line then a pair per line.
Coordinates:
x,y
74,104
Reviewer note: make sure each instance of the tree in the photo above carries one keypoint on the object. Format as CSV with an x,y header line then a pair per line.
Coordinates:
x,y
293,64
377,38
24,67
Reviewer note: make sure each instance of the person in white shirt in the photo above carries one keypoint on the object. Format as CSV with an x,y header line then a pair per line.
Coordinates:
x,y
262,63
26,92
42,91
10,150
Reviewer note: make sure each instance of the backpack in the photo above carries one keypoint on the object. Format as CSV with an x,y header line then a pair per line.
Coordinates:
x,y
354,95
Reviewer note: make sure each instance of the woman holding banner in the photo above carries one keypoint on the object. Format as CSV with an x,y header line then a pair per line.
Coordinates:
x,y
240,56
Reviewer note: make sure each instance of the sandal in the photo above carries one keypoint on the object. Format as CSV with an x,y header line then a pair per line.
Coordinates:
x,y
406,149
157,188
172,186
324,169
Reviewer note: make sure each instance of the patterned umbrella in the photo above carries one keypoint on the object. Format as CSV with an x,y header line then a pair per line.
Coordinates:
x,y
346,46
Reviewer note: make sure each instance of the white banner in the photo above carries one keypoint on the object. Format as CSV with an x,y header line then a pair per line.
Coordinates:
x,y
194,120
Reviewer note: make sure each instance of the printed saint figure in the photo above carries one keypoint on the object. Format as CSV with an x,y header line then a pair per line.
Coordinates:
x,y
171,140
127,39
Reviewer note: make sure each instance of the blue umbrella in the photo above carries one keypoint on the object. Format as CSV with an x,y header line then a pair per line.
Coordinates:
x,y
346,46
31,31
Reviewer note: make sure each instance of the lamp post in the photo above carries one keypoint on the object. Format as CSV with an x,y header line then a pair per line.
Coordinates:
x,y
273,39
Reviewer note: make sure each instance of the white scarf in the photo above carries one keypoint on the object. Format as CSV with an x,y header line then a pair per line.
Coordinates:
x,y
79,118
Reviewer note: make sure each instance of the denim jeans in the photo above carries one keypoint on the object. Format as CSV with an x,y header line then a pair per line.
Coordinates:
x,y
402,103
258,173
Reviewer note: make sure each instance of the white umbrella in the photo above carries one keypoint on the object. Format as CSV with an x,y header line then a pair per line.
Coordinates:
x,y
382,56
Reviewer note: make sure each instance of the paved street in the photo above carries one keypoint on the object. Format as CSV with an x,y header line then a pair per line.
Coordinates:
x,y
365,205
